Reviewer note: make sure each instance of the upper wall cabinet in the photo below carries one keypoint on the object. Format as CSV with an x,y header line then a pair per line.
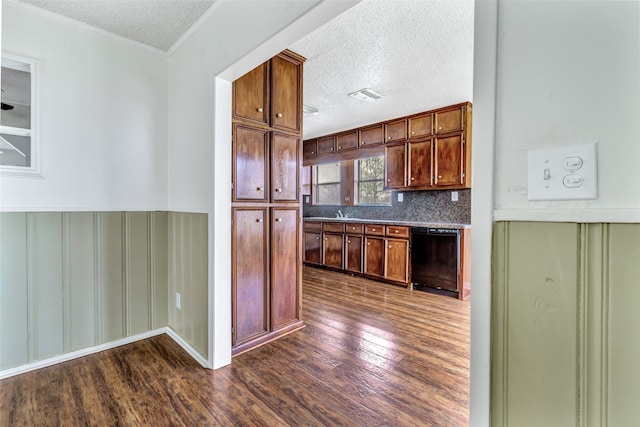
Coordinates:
x,y
271,94
251,95
286,92
449,121
372,135
420,126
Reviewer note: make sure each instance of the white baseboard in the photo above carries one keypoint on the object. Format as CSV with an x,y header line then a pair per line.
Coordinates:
x,y
98,348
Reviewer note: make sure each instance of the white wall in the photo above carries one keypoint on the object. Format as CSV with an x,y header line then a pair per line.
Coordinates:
x,y
568,73
104,120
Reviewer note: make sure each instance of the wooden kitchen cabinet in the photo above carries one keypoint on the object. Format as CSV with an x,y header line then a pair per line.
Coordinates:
x,y
395,131
420,126
285,303
250,96
448,161
286,92
395,166
333,250
267,231
250,167
373,135
310,148
374,256
397,260
450,120
353,253
326,145
347,140
419,163
312,243
250,277
285,167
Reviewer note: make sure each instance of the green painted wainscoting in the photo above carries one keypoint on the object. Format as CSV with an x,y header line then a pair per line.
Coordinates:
x,y
73,280
565,324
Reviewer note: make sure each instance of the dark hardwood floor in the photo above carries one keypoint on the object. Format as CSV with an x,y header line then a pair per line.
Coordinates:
x,y
372,354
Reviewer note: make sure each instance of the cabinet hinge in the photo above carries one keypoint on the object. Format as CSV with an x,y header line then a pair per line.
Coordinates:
x,y
232,186
232,329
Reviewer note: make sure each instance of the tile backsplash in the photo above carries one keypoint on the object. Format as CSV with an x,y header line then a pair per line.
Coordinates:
x,y
427,206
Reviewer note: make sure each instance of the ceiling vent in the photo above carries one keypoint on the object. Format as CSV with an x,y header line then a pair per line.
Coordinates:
x,y
366,95
310,111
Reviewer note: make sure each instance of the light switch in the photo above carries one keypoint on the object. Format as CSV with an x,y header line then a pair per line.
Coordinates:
x,y
400,197
454,196
562,173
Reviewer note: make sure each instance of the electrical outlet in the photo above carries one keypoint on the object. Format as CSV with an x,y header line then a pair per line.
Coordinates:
x,y
400,197
178,302
454,196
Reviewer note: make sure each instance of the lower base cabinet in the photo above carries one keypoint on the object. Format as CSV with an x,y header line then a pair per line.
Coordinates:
x,y
397,260
374,256
353,253
266,280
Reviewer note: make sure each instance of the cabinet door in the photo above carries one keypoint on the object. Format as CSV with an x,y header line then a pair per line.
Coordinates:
x,y
395,131
347,141
374,256
373,135
394,166
250,163
333,246
397,260
310,148
420,126
284,267
448,161
284,168
250,95
419,161
250,286
286,102
353,254
450,121
312,248
327,144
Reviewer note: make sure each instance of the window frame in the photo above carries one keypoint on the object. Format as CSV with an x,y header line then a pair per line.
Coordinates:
x,y
36,167
357,181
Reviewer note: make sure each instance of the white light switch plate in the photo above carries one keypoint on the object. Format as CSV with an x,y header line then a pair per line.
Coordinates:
x,y
562,173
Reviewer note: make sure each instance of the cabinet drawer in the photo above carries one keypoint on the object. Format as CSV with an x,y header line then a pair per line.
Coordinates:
x,y
398,231
373,135
353,228
374,229
312,226
334,227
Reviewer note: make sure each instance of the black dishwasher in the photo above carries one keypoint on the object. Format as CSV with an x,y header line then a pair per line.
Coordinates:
x,y
434,259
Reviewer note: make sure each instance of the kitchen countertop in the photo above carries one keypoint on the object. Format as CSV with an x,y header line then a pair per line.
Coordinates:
x,y
389,222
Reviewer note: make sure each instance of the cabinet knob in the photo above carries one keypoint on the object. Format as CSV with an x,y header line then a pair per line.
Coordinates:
x,y
397,231
339,147
313,152
279,115
440,128
278,219
388,137
325,239
259,188
258,219
348,241
317,238
363,142
389,246
439,176
373,229
413,179
278,190
331,148
368,244
388,179
259,110
413,133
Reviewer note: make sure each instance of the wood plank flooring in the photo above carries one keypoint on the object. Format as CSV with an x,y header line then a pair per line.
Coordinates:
x,y
372,354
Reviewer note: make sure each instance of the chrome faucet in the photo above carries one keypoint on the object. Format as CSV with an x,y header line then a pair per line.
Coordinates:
x,y
339,214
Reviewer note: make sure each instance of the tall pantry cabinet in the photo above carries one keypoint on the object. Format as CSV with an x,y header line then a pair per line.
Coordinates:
x,y
266,210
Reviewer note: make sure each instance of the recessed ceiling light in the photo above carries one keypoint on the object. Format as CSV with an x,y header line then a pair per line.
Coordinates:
x,y
310,111
366,95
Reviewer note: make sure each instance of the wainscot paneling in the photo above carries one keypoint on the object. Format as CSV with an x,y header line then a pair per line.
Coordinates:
x,y
72,280
565,316
188,261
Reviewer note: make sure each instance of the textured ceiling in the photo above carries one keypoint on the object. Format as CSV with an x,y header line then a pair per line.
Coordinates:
x,y
157,23
418,54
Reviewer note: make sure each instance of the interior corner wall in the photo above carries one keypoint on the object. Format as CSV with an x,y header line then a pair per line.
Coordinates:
x,y
568,74
104,127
